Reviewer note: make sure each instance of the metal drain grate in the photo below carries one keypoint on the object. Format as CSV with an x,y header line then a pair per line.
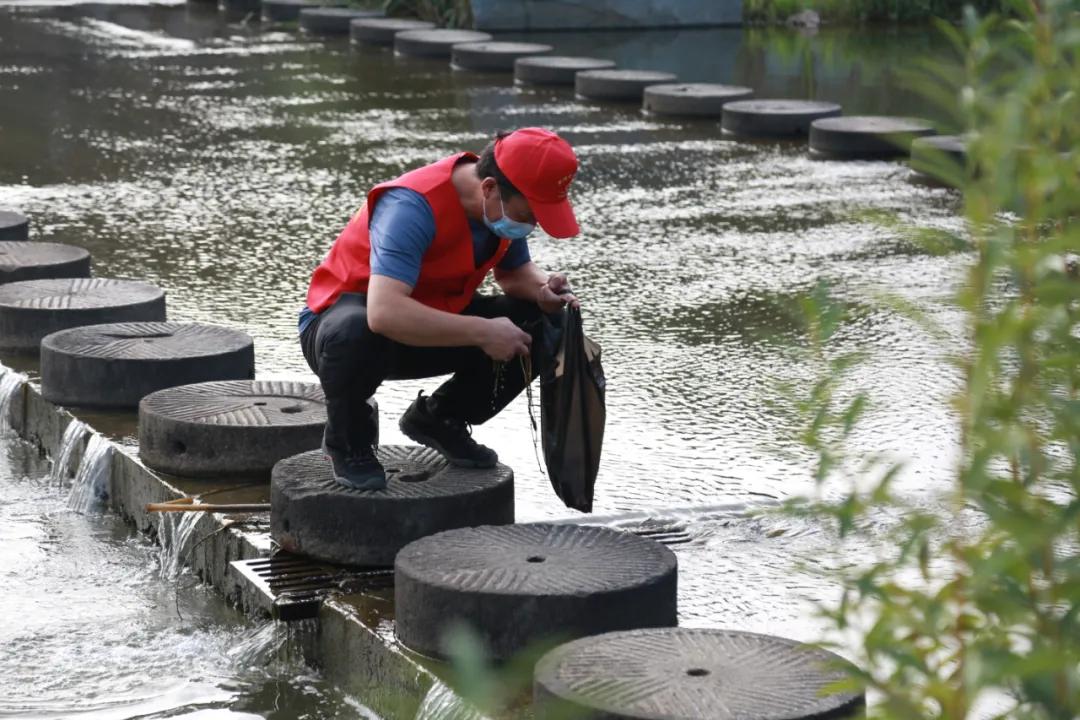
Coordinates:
x,y
291,587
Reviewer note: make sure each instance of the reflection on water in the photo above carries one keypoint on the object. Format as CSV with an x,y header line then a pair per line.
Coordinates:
x,y
221,160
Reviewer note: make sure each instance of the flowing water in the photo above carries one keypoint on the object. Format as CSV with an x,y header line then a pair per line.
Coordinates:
x,y
219,159
90,489
71,444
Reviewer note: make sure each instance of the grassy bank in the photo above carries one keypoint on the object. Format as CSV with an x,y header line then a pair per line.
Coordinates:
x,y
848,12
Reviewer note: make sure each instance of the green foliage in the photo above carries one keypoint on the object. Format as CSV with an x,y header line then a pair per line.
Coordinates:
x,y
976,598
848,11
444,13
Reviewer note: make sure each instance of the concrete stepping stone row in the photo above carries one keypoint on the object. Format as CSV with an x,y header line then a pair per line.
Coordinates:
x,y
315,516
774,118
555,69
332,20
289,10
235,428
493,56
618,84
690,673
692,99
381,31
519,585
117,365
32,309
24,260
14,226
437,43
866,136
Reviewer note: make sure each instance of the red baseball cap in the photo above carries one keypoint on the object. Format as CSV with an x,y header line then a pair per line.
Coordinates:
x,y
541,165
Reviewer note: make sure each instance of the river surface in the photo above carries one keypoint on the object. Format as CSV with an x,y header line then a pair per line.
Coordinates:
x,y
219,159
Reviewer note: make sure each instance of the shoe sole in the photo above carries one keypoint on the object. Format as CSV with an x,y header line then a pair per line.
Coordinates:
x,y
423,439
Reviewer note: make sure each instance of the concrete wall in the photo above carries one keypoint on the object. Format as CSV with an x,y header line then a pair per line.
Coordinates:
x,y
603,14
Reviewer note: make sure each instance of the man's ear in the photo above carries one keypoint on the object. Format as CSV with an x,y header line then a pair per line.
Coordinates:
x,y
487,184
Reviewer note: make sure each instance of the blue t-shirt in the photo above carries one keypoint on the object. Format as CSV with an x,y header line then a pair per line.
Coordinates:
x,y
402,228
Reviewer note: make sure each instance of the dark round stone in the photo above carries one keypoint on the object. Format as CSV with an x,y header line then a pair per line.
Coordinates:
x,y
289,10
683,673
14,226
434,43
234,7
493,56
39,261
866,136
381,31
692,99
116,365
931,157
32,309
519,585
556,69
332,20
313,515
775,118
239,427
618,84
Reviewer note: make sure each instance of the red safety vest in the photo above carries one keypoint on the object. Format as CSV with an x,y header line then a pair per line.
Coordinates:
x,y
448,272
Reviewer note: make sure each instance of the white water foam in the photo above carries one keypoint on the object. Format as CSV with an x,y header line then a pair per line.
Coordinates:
x,y
10,383
74,435
90,489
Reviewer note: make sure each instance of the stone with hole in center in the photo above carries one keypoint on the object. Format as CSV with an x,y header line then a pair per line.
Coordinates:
x,y
520,586
670,673
32,309
315,516
41,261
116,365
232,428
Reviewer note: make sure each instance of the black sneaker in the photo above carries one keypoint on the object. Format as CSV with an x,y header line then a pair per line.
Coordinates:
x,y
452,438
357,470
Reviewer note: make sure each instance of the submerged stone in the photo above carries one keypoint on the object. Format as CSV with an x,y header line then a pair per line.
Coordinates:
x,y
315,516
690,673
32,309
117,365
618,84
39,261
692,99
234,428
774,118
556,69
866,136
518,585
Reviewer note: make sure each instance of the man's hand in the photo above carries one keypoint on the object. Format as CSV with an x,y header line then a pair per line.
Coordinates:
x,y
503,340
555,293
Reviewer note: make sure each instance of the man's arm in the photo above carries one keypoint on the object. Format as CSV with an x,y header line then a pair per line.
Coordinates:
x,y
529,282
393,312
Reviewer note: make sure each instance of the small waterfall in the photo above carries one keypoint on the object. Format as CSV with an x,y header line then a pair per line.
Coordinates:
x,y
73,438
441,703
174,531
276,646
90,489
10,383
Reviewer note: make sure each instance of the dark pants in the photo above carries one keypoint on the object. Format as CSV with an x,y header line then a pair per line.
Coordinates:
x,y
352,361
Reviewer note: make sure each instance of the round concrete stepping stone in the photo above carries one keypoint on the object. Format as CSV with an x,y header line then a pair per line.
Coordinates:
x,y
289,10
692,99
493,56
517,585
239,6
866,136
928,152
315,516
14,226
556,69
332,20
775,118
381,31
690,673
32,309
239,427
38,261
434,43
618,84
116,365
